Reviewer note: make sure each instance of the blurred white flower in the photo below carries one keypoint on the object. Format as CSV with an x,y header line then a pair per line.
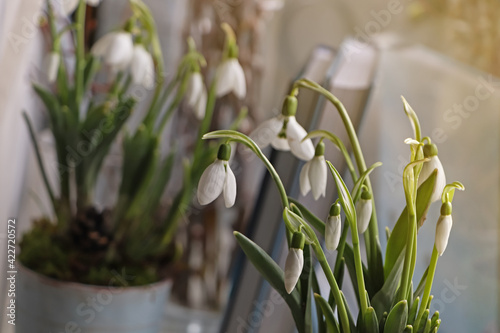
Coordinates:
x,y
196,95
116,48
443,228
270,132
51,65
69,6
364,211
231,78
332,232
218,178
142,67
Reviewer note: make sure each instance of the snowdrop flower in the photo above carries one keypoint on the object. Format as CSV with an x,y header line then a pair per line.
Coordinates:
x,y
51,66
284,132
218,178
314,174
69,6
116,48
364,210
142,67
294,261
231,78
443,228
430,150
196,95
333,228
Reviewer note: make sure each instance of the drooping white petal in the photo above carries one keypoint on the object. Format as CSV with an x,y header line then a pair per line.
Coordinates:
x,y
443,228
69,6
317,176
100,48
142,67
211,182
305,185
293,267
120,51
267,131
295,133
194,89
363,214
51,66
229,187
93,3
332,232
201,104
225,78
280,144
427,169
240,85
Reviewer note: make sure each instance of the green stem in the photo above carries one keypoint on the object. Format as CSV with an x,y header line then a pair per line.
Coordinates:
x,y
80,51
428,283
359,268
333,285
410,238
373,237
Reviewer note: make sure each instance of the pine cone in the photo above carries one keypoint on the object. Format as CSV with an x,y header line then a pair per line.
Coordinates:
x,y
89,232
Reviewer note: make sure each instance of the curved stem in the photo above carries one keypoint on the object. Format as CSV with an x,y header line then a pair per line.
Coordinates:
x,y
358,154
410,238
428,284
333,285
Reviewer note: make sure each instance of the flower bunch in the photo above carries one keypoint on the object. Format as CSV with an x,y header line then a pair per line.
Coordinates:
x,y
86,122
385,293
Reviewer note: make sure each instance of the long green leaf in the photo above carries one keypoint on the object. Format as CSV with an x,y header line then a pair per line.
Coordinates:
x,y
397,239
273,274
330,320
384,298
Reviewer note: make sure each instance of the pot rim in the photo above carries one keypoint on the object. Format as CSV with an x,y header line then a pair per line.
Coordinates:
x,y
77,285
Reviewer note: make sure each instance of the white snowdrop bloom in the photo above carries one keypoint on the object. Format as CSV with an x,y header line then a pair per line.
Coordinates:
x,y
284,132
196,95
116,48
333,228
294,261
142,67
51,65
364,211
69,6
314,174
430,150
443,228
231,78
218,178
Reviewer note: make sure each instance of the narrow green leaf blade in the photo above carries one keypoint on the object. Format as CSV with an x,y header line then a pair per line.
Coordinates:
x,y
330,320
272,273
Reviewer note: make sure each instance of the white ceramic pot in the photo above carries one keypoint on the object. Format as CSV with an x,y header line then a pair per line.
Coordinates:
x,y
45,305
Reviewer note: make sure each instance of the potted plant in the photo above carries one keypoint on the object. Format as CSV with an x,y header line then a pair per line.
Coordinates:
x,y
106,269
386,295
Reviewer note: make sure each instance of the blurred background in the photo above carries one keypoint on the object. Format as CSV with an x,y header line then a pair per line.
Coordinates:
x,y
441,55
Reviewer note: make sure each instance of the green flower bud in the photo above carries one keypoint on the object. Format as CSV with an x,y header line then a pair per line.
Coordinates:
x,y
224,152
289,106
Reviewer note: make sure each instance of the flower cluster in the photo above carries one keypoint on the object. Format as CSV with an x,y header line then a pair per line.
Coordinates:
x,y
392,305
